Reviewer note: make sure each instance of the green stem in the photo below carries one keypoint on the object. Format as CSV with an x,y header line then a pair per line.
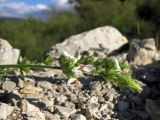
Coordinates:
x,y
28,66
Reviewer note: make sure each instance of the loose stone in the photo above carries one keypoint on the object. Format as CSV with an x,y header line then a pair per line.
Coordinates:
x,y
8,85
123,106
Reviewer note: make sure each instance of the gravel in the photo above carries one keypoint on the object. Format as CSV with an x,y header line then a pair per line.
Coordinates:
x,y
55,99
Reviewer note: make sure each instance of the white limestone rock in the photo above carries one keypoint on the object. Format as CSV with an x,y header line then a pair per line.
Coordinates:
x,y
8,55
107,37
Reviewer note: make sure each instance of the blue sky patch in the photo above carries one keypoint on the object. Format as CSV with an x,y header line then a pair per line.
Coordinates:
x,y
22,8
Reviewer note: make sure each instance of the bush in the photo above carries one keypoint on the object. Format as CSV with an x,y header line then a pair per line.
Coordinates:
x,y
135,19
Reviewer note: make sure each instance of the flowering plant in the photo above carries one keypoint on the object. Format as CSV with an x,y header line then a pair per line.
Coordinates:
x,y
117,72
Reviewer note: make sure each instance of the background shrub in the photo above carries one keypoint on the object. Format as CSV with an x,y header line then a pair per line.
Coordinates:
x,y
134,18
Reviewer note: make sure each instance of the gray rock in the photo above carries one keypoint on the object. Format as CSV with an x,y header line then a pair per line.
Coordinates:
x,y
107,117
20,83
81,105
32,112
49,102
109,95
103,107
142,52
92,112
8,54
31,90
8,85
109,85
65,111
54,94
34,96
93,40
153,108
78,117
92,100
123,106
61,99
49,116
101,100
110,105
26,82
5,111
15,114
45,84
96,86
73,98
69,104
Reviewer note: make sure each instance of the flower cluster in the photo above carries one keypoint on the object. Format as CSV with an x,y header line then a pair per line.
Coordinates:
x,y
117,72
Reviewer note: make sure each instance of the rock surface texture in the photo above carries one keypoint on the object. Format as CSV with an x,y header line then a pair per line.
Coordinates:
x,y
145,57
30,111
143,52
98,40
5,111
8,55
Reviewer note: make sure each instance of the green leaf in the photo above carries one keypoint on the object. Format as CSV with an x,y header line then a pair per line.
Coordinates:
x,y
48,61
86,59
2,74
110,64
127,82
67,64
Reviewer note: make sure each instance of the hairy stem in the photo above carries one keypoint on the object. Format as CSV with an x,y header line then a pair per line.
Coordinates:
x,y
29,66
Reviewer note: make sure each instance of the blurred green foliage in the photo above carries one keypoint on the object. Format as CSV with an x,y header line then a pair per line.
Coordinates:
x,y
134,18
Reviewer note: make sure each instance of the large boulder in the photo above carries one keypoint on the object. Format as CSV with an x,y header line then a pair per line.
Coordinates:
x,y
143,52
8,55
107,37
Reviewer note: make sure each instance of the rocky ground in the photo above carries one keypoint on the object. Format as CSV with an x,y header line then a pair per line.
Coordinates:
x,y
53,99
47,95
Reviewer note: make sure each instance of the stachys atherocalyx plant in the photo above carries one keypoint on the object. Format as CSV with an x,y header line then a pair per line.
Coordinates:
x,y
117,72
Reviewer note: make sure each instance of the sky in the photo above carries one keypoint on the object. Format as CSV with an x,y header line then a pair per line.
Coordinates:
x,y
22,8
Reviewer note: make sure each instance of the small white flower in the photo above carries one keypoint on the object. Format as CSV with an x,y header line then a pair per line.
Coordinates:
x,y
82,69
73,80
66,54
88,68
77,70
116,63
